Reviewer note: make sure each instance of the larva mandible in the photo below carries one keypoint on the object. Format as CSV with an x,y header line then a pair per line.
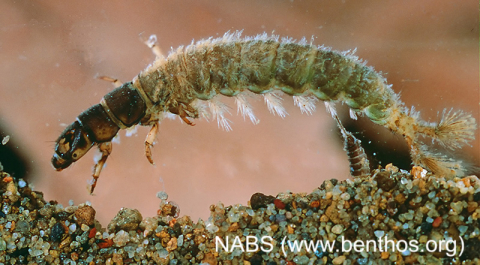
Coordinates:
x,y
188,82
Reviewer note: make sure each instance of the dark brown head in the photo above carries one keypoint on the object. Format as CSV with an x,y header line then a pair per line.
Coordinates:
x,y
93,126
123,107
72,144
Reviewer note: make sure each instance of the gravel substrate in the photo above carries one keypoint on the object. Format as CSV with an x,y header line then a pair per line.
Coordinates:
x,y
391,208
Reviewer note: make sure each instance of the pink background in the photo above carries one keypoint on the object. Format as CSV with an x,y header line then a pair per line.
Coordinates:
x,y
51,52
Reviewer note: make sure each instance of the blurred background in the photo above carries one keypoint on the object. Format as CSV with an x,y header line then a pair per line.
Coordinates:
x,y
51,54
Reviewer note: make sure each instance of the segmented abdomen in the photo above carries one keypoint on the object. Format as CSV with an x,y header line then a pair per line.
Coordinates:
x,y
231,65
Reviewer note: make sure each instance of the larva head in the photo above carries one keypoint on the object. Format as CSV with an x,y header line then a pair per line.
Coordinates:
x,y
72,144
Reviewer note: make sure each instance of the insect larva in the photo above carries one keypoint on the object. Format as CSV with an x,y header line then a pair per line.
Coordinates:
x,y
190,79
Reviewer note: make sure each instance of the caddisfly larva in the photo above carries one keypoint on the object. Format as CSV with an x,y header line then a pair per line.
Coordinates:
x,y
190,80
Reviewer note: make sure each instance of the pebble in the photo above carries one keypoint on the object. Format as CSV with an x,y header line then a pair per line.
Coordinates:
x,y
379,233
462,229
57,232
85,215
337,229
279,204
259,200
148,225
169,209
126,219
384,181
437,222
22,183
5,141
301,260
84,227
426,227
121,238
339,260
476,196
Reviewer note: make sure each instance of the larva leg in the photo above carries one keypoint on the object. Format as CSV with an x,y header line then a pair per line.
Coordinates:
x,y
115,81
149,142
185,110
183,114
106,149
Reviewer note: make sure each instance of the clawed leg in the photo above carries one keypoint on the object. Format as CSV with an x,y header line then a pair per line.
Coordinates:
x,y
183,115
185,110
115,81
106,150
149,142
